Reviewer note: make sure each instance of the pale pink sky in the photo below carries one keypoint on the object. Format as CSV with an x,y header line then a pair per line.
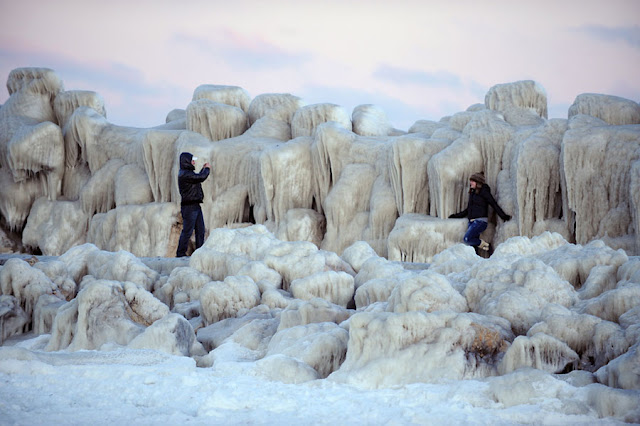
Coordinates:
x,y
415,59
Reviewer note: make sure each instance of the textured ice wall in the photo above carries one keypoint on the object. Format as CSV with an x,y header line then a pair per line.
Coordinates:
x,y
31,145
316,173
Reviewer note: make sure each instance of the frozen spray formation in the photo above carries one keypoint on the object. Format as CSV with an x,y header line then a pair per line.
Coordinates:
x,y
329,255
313,172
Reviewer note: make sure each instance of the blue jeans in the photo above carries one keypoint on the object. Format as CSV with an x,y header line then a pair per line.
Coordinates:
x,y
472,237
191,218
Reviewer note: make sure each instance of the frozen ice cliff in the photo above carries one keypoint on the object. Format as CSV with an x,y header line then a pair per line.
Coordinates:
x,y
328,252
313,172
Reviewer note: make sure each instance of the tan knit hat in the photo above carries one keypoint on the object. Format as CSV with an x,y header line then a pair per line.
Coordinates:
x,y
478,177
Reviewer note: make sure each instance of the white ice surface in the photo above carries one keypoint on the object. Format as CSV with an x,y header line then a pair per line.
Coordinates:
x,y
145,387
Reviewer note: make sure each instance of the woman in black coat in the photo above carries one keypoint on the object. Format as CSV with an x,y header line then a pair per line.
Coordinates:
x,y
477,211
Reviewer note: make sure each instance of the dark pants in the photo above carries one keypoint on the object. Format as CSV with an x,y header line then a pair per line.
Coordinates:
x,y
475,228
191,218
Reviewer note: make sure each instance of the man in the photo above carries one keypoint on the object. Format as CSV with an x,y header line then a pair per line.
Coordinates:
x,y
189,183
477,211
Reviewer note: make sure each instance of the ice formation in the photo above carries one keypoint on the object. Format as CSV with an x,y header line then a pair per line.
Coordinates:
x,y
249,303
315,173
329,253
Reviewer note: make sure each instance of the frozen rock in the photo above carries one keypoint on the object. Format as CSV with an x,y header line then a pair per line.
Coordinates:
x,y
113,230
427,291
229,298
611,304
386,349
183,285
229,95
612,109
521,94
370,120
417,238
104,312
120,266
539,351
598,202
26,284
171,334
315,310
335,287
323,346
12,317
516,291
308,117
215,121
285,369
357,254
215,334
55,226
66,102
278,106
623,371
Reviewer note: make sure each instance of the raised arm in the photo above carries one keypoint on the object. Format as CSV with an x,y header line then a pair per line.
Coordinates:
x,y
193,177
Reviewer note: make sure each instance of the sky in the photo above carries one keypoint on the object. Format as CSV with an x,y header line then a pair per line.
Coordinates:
x,y
414,59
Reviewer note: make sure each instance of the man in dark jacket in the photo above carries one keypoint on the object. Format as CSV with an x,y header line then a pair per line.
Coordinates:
x,y
477,211
189,183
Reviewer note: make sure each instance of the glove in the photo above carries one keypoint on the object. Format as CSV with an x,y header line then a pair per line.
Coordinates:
x,y
507,218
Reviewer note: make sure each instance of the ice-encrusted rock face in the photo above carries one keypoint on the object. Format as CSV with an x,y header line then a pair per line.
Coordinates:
x,y
314,172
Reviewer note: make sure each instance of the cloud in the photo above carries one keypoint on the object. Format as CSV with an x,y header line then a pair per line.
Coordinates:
x,y
629,35
423,78
243,51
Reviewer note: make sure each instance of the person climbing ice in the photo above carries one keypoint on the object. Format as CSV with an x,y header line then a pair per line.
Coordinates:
x,y
477,211
189,184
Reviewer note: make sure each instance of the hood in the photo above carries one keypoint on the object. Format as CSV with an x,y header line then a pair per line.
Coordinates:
x,y
185,161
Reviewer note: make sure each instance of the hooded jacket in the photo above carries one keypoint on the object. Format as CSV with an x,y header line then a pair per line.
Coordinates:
x,y
189,182
479,202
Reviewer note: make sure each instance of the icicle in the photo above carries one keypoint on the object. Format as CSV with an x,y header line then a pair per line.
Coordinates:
x,y
449,171
539,351
408,171
597,163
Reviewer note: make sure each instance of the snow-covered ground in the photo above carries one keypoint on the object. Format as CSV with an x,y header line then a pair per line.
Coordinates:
x,y
127,386
542,332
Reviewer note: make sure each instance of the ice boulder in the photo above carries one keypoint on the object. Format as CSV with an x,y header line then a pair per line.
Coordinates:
x,y
307,118
370,120
171,334
336,287
104,313
323,346
386,349
229,298
612,109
